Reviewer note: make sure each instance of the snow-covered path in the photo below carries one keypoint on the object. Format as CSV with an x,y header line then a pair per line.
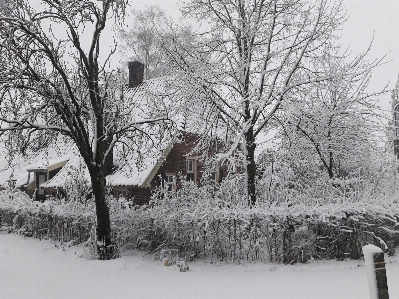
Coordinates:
x,y
36,269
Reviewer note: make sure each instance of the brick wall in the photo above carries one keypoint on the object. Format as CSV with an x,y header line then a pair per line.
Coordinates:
x,y
139,195
175,162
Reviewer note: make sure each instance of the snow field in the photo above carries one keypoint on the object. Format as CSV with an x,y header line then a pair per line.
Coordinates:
x,y
30,268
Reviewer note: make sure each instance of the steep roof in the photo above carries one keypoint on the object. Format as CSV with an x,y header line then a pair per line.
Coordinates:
x,y
151,99
19,164
74,163
140,173
132,170
133,167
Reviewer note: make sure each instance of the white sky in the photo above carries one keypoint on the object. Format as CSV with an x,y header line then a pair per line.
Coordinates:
x,y
366,18
381,19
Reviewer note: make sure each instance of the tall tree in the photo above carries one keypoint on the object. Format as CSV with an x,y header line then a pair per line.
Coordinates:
x,y
140,41
55,79
150,37
250,57
335,119
392,130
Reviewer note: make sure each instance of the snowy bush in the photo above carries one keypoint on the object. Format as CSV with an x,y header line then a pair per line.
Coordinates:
x,y
58,220
199,222
213,222
77,187
283,177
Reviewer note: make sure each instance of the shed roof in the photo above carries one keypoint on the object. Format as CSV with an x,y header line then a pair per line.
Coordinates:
x,y
19,164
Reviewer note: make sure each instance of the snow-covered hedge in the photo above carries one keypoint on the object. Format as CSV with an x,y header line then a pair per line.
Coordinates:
x,y
199,222
57,220
198,225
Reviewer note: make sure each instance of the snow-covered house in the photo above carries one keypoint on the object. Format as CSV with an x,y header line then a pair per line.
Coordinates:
x,y
45,172
30,171
176,160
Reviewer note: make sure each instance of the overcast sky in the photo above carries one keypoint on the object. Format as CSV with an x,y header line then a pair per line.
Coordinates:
x,y
381,19
367,18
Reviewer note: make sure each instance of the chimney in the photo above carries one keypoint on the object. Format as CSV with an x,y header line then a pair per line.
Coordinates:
x,y
136,73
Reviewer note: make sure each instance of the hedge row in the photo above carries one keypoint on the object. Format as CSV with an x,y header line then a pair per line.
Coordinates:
x,y
193,225
63,222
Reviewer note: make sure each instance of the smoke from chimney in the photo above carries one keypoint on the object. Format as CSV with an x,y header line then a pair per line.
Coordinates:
x,y
136,73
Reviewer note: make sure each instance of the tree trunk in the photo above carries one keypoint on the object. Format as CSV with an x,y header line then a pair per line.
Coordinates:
x,y
102,211
251,166
331,165
330,172
106,249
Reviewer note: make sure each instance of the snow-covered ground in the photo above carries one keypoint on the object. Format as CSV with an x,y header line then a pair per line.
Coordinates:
x,y
31,268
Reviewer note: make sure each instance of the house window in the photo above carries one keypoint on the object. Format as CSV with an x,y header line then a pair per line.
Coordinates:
x,y
12,181
122,194
190,177
170,182
41,180
190,165
216,175
11,184
191,169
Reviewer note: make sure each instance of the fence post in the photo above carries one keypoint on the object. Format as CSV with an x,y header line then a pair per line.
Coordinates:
x,y
376,272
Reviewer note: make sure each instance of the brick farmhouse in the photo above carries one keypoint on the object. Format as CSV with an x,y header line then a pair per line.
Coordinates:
x,y
44,173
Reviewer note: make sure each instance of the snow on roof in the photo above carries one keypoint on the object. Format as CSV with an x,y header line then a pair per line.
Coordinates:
x,y
164,96
143,167
134,169
59,180
131,175
152,98
46,164
19,164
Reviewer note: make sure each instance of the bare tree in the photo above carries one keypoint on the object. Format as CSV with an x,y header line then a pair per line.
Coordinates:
x,y
335,119
250,57
147,38
55,79
140,41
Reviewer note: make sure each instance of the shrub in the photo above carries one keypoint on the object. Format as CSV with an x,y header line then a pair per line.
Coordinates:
x,y
198,222
57,220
